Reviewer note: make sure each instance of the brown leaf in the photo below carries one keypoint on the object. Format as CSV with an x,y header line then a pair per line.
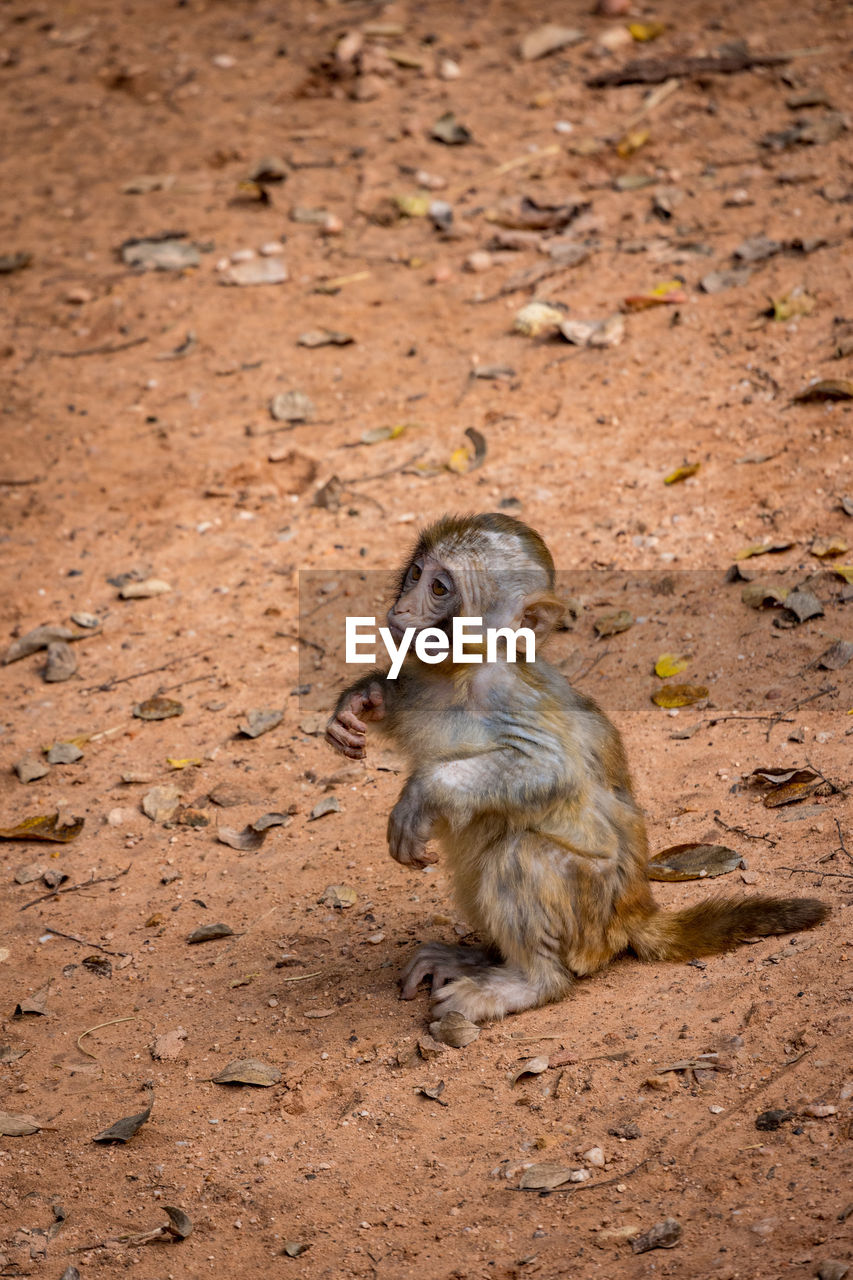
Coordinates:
x,y
544,1177
836,656
826,389
123,1130
260,721
759,594
35,1004
338,895
663,1235
433,1092
692,861
610,624
679,695
55,827
169,1045
770,548
209,932
248,1071
247,841
158,708
832,546
532,1067
778,777
17,1126
329,804
180,1224
790,793
803,605
454,1029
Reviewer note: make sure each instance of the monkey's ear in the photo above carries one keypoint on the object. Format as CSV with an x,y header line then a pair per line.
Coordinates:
x,y
542,613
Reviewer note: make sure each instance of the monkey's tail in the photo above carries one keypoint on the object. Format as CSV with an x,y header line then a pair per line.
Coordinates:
x,y
717,924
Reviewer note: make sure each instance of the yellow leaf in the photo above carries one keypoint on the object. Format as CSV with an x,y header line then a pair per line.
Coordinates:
x,y
642,32
459,461
833,546
632,141
413,206
46,826
795,303
681,473
761,549
183,763
669,665
679,695
844,571
667,286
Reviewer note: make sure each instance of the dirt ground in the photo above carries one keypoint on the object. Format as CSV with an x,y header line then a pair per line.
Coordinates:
x,y
138,443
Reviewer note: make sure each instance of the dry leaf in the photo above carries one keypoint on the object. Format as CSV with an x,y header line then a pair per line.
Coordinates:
x,y
17,1126
292,406
295,1248
544,1177
836,656
329,804
338,895
248,1071
378,434
762,549
247,841
532,1067
833,546
791,793
692,861
123,1130
548,39
260,721
826,389
610,624
158,708
324,338
207,932
180,1224
679,695
61,662
669,665
461,461
682,473
454,1029
645,31
663,1235
537,318
169,1045
183,762
35,1004
844,571
803,605
758,594
433,1092
53,827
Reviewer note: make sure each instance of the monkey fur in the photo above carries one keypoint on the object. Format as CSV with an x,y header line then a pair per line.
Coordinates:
x,y
523,781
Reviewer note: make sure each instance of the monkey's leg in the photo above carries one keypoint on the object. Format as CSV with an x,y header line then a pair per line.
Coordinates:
x,y
444,962
498,989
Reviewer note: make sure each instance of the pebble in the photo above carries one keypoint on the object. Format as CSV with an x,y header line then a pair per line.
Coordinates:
x,y
242,255
78,296
449,70
478,261
64,753
30,767
120,817
271,249
595,1157
831,1269
88,620
331,225
61,662
224,61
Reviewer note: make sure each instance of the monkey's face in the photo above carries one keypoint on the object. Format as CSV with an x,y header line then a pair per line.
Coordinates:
x,y
429,597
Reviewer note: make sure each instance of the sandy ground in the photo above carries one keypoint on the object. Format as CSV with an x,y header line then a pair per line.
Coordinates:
x,y
131,448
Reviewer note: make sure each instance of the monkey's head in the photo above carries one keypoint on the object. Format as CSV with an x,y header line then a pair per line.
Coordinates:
x,y
489,566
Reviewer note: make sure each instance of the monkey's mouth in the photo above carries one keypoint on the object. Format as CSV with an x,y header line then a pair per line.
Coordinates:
x,y
397,632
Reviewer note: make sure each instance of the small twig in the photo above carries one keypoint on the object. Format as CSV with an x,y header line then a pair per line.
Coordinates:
x,y
842,847
310,644
827,688
10,480
776,718
84,942
302,977
72,888
170,688
834,789
587,670
812,871
106,349
380,475
110,684
742,831
112,1022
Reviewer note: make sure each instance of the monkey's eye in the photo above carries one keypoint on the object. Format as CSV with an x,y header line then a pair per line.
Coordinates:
x,y
438,588
415,572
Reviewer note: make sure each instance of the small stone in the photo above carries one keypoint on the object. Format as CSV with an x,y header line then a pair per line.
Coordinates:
x,y
32,641
831,1269
61,662
478,261
64,753
663,1235
820,1110
449,70
144,590
271,249
331,225
88,620
32,871
260,721
749,877
429,1047
78,296
258,271
292,406
160,803
595,1157
31,767
120,817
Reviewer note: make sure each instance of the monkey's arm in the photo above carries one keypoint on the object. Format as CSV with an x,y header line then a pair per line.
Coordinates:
x,y
364,701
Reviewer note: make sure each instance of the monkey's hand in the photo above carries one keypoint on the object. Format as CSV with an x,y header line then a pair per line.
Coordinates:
x,y
347,728
410,826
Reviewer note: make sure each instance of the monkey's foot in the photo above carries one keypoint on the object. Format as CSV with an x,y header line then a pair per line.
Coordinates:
x,y
444,962
496,991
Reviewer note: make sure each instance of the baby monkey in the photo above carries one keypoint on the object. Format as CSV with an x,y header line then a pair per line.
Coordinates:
x,y
524,783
